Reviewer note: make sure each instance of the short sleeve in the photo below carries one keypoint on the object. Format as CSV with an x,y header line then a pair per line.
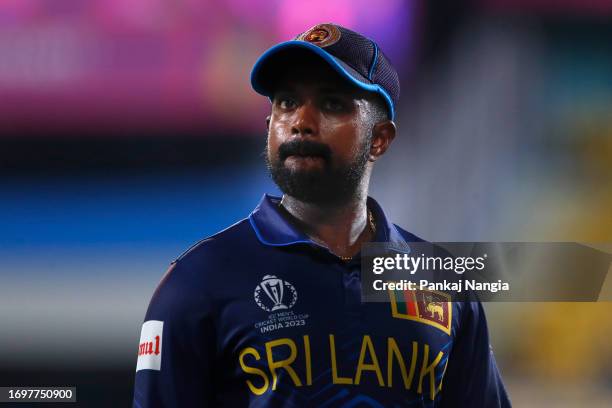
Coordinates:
x,y
472,378
176,348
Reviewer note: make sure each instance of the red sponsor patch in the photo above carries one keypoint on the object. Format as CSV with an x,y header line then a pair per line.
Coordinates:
x,y
150,346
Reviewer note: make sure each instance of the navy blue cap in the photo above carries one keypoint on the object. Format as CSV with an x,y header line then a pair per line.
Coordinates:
x,y
355,57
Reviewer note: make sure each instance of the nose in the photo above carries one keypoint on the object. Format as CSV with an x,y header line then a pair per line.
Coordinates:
x,y
305,121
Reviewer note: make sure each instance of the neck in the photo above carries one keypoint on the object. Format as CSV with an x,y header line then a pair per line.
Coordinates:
x,y
342,228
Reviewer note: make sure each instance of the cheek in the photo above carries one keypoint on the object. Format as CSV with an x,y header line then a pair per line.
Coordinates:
x,y
279,126
271,146
345,139
275,136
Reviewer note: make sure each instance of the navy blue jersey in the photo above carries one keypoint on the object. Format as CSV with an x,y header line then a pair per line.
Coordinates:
x,y
259,315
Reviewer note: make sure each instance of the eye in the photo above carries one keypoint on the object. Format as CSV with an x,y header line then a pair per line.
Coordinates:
x,y
334,104
286,103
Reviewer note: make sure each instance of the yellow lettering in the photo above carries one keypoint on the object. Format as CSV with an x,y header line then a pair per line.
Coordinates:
x,y
361,366
443,373
286,364
393,350
308,361
252,370
429,369
335,378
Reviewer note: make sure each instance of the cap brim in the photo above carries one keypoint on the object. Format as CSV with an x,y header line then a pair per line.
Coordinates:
x,y
267,61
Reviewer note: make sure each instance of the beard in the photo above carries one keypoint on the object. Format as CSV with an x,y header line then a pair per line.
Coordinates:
x,y
334,183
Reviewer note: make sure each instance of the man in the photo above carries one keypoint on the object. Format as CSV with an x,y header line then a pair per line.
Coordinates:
x,y
268,313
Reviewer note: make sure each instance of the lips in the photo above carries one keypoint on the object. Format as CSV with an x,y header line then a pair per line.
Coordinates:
x,y
305,156
304,150
306,160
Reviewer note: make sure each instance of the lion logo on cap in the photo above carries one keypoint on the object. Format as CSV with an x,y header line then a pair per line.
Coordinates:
x,y
321,35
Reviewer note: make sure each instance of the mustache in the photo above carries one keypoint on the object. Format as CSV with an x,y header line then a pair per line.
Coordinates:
x,y
304,148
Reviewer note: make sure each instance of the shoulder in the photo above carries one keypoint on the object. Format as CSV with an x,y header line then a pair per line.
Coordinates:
x,y
238,235
192,276
198,266
408,236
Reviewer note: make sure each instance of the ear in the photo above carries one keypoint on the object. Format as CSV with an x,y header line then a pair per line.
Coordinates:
x,y
383,134
268,121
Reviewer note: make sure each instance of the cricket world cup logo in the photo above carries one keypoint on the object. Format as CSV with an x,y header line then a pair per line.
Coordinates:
x,y
274,294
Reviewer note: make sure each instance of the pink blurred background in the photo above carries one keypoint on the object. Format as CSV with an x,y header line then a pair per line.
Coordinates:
x,y
128,131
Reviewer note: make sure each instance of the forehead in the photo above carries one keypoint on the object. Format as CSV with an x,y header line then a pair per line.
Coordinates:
x,y
312,74
315,86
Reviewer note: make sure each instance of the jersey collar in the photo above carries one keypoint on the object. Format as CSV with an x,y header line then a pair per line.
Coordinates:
x,y
272,229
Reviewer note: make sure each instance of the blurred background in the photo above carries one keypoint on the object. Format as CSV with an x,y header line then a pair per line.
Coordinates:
x,y
129,131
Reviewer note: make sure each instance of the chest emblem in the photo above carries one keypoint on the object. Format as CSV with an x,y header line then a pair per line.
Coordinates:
x,y
425,306
274,294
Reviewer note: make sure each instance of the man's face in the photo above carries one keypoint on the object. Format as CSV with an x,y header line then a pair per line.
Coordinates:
x,y
318,135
